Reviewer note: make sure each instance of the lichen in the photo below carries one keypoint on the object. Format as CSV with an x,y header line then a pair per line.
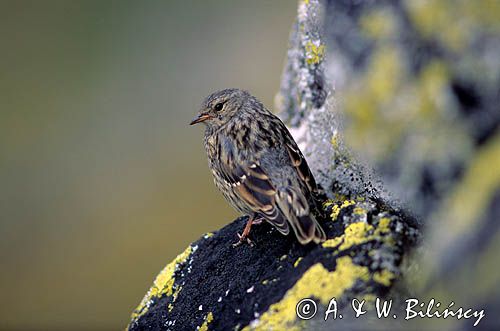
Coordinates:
x,y
378,24
369,298
361,232
359,211
354,234
409,118
163,284
337,207
466,204
384,277
314,53
207,320
378,92
316,282
383,225
333,242
175,294
437,20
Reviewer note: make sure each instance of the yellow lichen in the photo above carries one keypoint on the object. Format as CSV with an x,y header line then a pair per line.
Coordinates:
x,y
335,212
175,294
384,74
163,284
383,226
208,319
360,233
297,262
470,267
336,208
384,277
316,282
373,117
369,297
461,210
356,234
485,13
359,211
378,24
335,140
314,53
340,197
432,84
437,19
334,242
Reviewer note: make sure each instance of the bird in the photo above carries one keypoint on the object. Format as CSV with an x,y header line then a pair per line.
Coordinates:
x,y
257,165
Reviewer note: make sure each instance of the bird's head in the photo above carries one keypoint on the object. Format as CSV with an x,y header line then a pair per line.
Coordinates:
x,y
220,107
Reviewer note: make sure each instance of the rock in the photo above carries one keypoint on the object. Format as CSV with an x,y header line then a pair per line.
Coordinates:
x,y
419,85
395,106
419,89
214,286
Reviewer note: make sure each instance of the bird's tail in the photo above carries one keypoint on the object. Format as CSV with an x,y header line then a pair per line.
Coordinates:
x,y
296,210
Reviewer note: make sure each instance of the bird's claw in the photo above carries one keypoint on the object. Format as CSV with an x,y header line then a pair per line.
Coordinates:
x,y
243,239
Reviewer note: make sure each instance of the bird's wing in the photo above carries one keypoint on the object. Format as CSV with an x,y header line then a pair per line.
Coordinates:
x,y
293,200
294,206
281,206
300,164
253,186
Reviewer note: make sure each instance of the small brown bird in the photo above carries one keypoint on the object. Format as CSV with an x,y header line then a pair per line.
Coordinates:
x,y
257,165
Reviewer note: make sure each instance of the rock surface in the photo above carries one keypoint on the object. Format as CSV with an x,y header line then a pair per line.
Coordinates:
x,y
396,107
419,90
216,286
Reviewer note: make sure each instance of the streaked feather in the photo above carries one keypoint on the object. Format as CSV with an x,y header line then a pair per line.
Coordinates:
x,y
259,168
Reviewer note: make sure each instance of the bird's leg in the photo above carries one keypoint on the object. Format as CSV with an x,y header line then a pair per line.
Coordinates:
x,y
246,231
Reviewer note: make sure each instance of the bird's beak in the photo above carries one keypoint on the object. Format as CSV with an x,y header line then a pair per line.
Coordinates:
x,y
200,118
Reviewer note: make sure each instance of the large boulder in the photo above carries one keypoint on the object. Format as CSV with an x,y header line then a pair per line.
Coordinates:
x,y
396,107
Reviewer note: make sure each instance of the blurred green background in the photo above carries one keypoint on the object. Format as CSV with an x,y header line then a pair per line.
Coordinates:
x,y
102,182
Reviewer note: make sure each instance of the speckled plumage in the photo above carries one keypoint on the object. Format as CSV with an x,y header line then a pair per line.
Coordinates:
x,y
257,165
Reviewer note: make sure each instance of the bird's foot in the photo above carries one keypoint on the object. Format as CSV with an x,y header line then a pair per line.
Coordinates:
x,y
242,239
244,236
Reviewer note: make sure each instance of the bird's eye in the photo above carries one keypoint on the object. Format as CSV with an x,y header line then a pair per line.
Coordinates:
x,y
219,106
